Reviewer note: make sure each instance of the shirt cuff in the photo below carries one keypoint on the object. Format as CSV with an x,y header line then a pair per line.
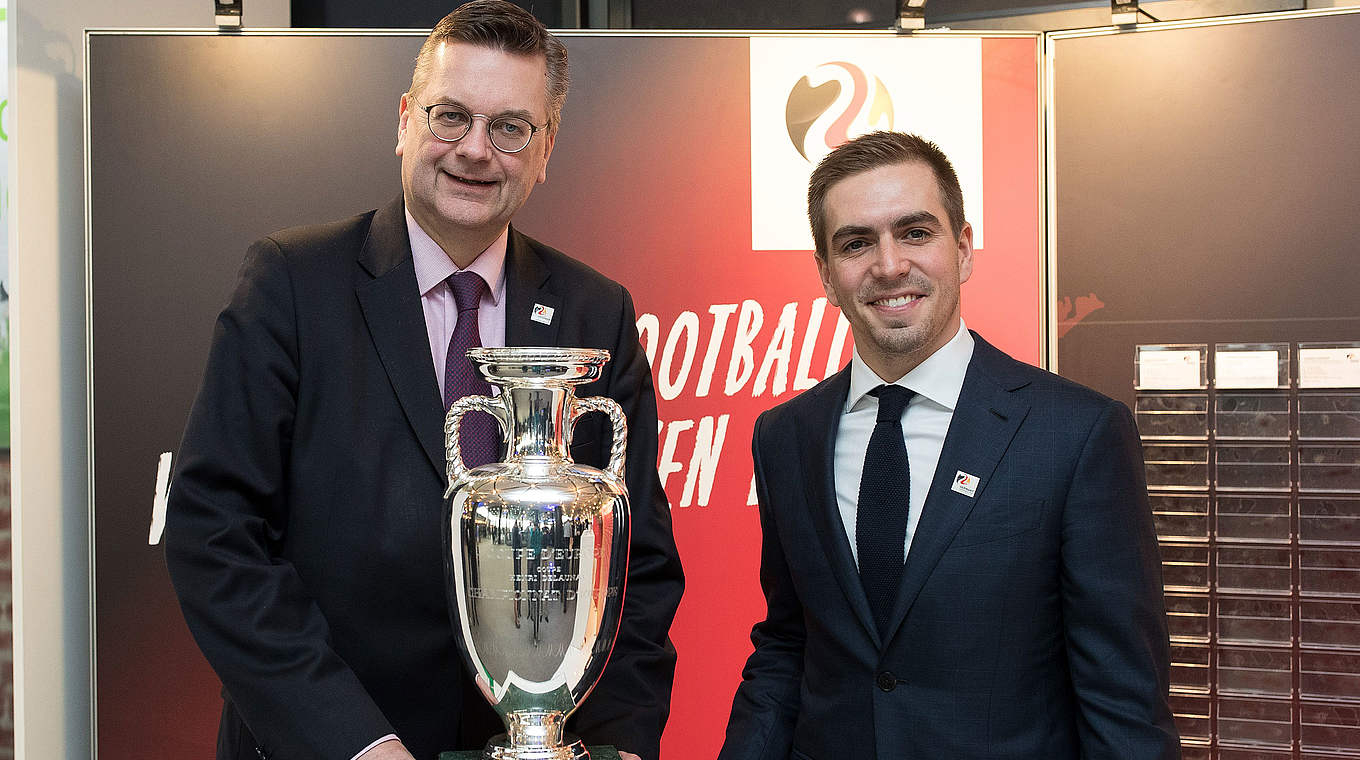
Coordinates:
x,y
375,743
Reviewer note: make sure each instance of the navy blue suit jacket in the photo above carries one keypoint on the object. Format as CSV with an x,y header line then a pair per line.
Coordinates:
x,y
1029,623
303,532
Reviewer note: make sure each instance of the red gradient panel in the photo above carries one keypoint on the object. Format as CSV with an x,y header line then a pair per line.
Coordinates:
x,y
1002,300
650,183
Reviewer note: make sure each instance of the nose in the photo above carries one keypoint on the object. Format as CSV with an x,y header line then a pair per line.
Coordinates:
x,y
476,144
893,259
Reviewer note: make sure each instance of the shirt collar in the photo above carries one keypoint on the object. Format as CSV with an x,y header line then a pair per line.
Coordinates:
x,y
433,266
938,378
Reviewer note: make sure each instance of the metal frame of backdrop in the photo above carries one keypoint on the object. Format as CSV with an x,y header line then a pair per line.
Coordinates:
x,y
164,670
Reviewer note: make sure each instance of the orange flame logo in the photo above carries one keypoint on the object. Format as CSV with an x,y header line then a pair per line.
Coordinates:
x,y
832,104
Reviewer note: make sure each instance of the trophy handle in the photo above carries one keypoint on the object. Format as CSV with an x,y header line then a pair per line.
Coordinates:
x,y
610,407
453,448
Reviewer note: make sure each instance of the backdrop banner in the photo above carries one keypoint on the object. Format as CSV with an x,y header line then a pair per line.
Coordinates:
x,y
680,171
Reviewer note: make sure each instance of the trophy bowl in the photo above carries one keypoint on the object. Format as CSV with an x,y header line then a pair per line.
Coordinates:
x,y
536,548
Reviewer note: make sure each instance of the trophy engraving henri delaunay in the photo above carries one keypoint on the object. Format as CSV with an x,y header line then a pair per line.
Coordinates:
x,y
536,548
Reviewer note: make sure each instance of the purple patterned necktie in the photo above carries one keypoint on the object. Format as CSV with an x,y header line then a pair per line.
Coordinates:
x,y
478,435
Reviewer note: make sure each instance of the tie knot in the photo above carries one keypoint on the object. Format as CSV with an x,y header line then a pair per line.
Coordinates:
x,y
892,401
467,290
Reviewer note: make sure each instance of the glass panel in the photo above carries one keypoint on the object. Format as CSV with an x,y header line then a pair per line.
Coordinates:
x,y
1329,416
1254,468
1330,624
1329,520
1251,365
1190,667
1329,468
1180,517
1256,721
1254,569
1255,621
1255,671
1187,616
1329,365
1171,367
1185,568
1242,415
1253,518
1329,675
1329,572
1232,753
1172,416
1192,715
1330,727
1176,465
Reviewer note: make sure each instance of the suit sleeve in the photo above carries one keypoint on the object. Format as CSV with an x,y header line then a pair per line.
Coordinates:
x,y
1113,610
765,708
629,706
245,605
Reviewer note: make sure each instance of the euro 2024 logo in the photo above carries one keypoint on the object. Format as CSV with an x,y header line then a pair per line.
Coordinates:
x,y
837,101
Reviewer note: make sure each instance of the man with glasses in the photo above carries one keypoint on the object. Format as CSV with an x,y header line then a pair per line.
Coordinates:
x,y
303,531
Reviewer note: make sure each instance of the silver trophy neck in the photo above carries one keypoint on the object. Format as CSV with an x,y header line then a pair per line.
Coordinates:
x,y
511,366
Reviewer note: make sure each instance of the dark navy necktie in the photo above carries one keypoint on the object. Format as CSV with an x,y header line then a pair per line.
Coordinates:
x,y
881,516
478,433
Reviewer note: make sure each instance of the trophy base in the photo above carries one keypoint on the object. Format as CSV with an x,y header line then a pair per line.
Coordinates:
x,y
600,752
499,748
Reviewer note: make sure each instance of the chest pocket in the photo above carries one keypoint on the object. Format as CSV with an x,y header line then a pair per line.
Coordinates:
x,y
1000,521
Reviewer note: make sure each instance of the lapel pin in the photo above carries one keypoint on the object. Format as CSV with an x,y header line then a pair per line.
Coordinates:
x,y
542,314
965,484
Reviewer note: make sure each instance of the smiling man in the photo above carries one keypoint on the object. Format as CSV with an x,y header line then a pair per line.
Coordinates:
x,y
303,534
957,556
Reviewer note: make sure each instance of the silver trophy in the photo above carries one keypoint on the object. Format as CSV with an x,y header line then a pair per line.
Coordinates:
x,y
536,548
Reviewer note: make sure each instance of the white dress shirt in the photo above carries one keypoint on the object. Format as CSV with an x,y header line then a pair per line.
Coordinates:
x,y
937,382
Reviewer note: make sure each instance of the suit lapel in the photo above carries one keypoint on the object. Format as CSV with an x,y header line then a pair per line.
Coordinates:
x,y
985,420
526,289
817,451
391,307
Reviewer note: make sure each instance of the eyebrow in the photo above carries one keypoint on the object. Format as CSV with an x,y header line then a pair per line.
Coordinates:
x,y
851,230
913,219
516,112
916,218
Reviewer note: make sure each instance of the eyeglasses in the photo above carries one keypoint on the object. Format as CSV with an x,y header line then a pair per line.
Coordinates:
x,y
450,123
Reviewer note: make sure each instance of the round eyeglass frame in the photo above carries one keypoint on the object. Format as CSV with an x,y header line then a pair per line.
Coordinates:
x,y
490,135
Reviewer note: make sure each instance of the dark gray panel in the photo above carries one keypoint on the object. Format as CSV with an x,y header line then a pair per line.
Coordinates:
x,y
769,14
1207,183
198,146
409,14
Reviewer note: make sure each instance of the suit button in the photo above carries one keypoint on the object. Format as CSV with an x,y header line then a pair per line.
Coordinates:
x,y
886,681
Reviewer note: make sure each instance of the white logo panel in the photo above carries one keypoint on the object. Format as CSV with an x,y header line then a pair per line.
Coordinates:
x,y
809,94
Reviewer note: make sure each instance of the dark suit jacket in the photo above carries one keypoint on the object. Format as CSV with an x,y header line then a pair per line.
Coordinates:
x,y
1029,623
303,530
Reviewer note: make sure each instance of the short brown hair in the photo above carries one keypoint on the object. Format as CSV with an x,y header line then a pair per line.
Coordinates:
x,y
506,27
870,152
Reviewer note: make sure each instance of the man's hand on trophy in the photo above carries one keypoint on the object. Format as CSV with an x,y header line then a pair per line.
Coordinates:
x,y
392,749
628,756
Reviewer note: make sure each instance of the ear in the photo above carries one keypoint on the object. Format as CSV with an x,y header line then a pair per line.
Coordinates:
x,y
403,118
824,272
549,139
965,253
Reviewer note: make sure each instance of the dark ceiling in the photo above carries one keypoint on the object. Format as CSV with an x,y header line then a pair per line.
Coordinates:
x,y
673,14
